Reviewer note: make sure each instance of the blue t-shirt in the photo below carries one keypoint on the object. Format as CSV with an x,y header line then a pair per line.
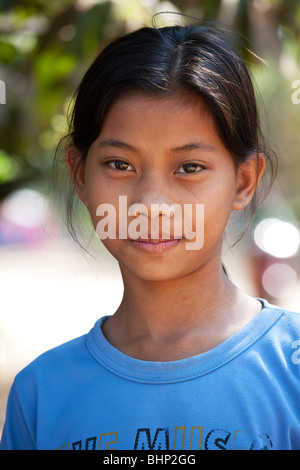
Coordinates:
x,y
85,394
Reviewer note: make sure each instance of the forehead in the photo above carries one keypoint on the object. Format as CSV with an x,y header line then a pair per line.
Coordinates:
x,y
179,116
139,100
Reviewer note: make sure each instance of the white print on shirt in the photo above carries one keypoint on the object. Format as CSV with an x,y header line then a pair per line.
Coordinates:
x,y
296,354
183,438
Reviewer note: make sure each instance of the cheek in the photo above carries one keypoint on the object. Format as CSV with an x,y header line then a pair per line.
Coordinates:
x,y
217,210
98,195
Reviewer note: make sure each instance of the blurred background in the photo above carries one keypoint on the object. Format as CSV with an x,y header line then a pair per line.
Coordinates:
x,y
51,290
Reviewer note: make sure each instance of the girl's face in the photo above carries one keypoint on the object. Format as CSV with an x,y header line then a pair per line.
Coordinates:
x,y
166,150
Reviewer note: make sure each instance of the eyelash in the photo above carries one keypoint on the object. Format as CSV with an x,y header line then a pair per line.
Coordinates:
x,y
113,162
190,164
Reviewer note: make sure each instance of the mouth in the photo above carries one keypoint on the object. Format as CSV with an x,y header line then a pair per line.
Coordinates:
x,y
157,245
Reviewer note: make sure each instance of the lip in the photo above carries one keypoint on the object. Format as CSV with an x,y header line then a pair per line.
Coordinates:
x,y
155,245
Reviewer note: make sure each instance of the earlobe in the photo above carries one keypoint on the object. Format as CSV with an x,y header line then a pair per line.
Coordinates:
x,y
249,176
77,168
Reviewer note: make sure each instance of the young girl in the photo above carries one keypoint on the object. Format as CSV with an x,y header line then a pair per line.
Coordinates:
x,y
166,119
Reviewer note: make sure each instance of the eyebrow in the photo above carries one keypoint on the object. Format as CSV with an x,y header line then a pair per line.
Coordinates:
x,y
194,146
184,148
116,144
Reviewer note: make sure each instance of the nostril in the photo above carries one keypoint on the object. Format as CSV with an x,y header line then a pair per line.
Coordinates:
x,y
162,209
138,210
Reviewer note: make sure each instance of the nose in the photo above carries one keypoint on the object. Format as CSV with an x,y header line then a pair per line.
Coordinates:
x,y
153,201
152,196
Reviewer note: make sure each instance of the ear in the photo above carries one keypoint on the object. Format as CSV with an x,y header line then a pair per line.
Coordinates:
x,y
77,170
248,178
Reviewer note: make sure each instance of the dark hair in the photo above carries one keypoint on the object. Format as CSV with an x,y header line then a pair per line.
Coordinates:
x,y
190,59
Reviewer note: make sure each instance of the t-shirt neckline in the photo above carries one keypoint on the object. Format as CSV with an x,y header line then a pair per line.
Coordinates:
x,y
184,369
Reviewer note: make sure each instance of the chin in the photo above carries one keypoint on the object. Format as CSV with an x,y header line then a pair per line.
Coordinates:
x,y
155,273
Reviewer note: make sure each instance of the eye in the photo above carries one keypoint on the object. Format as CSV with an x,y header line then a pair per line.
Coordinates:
x,y
120,165
190,168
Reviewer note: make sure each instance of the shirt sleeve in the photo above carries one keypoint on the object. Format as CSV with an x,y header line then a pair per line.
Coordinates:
x,y
16,433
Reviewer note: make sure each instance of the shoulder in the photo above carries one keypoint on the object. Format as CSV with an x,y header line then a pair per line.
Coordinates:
x,y
289,319
289,328
292,317
283,338
288,323
62,352
286,315
54,364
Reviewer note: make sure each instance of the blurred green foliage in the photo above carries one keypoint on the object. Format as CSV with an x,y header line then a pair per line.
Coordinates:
x,y
46,46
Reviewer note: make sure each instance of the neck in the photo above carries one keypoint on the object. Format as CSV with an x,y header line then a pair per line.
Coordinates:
x,y
161,308
178,318
166,321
